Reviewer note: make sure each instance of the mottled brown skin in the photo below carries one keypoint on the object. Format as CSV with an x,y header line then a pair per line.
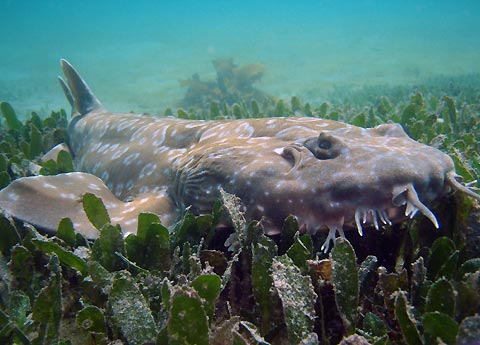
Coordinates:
x,y
324,172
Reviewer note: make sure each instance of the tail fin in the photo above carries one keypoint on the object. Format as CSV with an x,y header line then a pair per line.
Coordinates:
x,y
77,89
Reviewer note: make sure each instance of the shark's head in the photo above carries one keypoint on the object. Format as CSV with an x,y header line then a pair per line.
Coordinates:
x,y
343,176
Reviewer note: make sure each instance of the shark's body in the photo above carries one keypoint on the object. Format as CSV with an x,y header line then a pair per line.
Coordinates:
x,y
324,172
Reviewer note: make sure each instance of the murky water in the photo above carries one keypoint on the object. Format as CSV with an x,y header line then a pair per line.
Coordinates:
x,y
133,54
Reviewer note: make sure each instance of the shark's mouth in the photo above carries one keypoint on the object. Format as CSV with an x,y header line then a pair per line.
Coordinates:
x,y
405,204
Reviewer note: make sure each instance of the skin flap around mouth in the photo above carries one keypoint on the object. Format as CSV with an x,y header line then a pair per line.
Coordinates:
x,y
402,195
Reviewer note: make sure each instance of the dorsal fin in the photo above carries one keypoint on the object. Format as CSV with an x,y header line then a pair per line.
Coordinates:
x,y
84,99
67,92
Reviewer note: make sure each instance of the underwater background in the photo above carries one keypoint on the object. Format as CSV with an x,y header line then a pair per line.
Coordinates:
x,y
361,62
134,53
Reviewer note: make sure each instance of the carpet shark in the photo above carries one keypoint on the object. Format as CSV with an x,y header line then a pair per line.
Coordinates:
x,y
329,175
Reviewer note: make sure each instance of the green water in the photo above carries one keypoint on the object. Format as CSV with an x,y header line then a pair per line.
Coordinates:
x,y
133,54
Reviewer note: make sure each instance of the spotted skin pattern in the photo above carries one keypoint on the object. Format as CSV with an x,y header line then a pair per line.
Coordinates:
x,y
326,173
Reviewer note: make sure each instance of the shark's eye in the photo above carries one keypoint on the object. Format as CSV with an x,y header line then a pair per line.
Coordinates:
x,y
325,146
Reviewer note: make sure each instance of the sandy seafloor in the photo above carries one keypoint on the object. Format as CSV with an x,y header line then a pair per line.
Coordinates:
x,y
133,53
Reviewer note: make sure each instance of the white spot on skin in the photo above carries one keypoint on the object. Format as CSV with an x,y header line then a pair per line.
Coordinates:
x,y
278,150
93,186
95,167
49,186
103,148
96,147
119,152
110,205
159,136
124,124
130,158
131,221
128,210
114,147
292,132
160,150
12,196
322,125
144,189
172,154
195,124
148,170
129,185
79,176
105,175
118,189
70,196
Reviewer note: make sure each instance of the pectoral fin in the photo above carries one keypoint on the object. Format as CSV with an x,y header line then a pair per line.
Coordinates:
x,y
44,200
